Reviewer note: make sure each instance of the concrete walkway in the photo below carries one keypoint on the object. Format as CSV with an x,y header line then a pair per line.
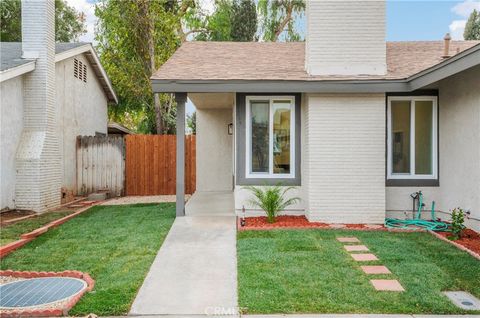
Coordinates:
x,y
195,270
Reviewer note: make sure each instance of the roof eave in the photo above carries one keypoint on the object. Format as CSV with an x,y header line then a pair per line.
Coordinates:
x,y
456,64
17,71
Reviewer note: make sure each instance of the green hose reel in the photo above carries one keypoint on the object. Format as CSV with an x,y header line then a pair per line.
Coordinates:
x,y
417,222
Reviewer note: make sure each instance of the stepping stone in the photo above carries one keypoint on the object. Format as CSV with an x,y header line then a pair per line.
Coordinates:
x,y
373,226
364,257
387,285
375,269
355,248
348,239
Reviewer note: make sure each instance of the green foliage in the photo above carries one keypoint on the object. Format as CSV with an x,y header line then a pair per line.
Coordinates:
x,y
192,123
219,24
134,39
472,28
458,218
243,21
69,23
116,245
278,19
271,199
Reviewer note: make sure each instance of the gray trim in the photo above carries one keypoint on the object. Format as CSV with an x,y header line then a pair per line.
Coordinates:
x,y
458,63
412,183
180,98
240,144
260,86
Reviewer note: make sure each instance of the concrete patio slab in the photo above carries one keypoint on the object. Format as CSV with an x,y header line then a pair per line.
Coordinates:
x,y
364,257
195,270
375,269
348,239
355,248
387,285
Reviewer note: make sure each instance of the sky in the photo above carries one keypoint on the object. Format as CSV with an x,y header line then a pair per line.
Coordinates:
x,y
406,20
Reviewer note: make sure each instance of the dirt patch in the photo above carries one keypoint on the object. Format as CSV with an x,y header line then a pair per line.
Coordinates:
x,y
14,214
143,199
470,239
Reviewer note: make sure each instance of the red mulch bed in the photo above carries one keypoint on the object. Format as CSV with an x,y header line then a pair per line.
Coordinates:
x,y
294,222
469,238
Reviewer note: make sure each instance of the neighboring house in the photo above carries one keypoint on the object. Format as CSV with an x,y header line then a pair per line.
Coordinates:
x,y
50,94
115,129
356,123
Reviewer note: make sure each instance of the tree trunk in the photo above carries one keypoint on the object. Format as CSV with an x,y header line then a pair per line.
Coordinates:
x,y
158,114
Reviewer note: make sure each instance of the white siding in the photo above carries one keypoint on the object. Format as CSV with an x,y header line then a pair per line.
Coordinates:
x,y
11,125
214,150
81,110
345,37
346,158
459,148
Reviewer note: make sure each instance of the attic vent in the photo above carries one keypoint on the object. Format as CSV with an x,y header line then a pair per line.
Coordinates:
x,y
80,70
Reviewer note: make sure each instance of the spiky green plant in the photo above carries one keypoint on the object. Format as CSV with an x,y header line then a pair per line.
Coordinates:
x,y
271,199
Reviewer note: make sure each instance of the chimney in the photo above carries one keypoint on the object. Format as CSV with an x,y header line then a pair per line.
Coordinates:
x,y
38,160
345,37
446,47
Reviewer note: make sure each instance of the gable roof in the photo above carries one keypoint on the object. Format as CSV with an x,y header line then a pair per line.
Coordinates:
x,y
282,61
12,63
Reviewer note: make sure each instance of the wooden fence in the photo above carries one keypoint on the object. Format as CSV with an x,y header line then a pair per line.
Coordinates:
x,y
100,164
150,163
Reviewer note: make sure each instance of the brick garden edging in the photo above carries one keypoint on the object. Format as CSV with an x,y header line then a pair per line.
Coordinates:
x,y
48,312
27,237
459,246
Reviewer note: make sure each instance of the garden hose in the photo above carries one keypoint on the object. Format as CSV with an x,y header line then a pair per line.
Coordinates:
x,y
417,222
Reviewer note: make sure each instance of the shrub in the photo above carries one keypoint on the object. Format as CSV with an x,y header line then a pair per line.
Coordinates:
x,y
458,218
271,199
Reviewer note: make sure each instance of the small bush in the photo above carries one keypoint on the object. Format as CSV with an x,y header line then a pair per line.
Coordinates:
x,y
271,199
458,218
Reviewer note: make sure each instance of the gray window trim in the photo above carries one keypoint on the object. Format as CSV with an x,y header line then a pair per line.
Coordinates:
x,y
241,143
413,182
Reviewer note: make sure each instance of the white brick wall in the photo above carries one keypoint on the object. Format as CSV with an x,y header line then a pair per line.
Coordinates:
x,y
345,37
38,155
345,159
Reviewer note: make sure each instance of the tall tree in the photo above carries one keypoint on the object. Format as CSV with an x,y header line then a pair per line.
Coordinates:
x,y
69,23
277,19
243,20
218,24
135,37
472,28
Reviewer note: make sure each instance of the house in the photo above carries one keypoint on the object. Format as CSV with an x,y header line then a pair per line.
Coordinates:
x,y
356,123
50,93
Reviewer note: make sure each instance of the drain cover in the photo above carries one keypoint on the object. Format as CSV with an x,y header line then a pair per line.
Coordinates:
x,y
463,300
38,291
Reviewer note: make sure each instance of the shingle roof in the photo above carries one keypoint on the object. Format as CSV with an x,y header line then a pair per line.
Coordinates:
x,y
286,61
11,53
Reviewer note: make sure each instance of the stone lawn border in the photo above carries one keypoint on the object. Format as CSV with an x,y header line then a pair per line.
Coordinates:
x,y
30,236
459,246
47,312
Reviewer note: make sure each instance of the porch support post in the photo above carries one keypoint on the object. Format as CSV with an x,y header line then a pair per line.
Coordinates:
x,y
180,98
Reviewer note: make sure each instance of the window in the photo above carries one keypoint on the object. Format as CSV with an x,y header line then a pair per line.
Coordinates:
x,y
412,137
270,137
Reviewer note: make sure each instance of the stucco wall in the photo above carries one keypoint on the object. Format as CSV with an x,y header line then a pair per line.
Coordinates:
x,y
346,158
11,125
214,150
81,110
459,151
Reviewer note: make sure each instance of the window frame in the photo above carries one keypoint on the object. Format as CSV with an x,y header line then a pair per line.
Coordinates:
x,y
248,143
435,154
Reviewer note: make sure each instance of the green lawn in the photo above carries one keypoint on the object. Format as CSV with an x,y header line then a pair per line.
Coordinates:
x,y
12,232
308,271
115,244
